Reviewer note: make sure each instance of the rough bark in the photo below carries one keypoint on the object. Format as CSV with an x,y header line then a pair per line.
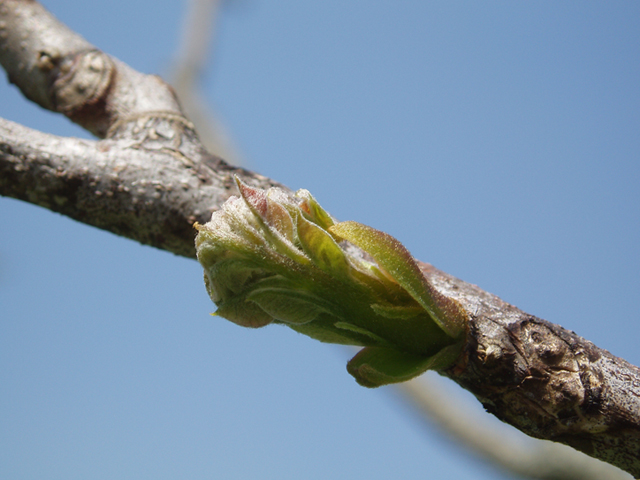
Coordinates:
x,y
544,380
150,178
150,185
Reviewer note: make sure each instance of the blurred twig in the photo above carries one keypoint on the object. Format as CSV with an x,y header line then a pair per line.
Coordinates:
x,y
191,60
507,448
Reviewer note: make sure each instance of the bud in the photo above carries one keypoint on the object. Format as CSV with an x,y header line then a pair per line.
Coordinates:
x,y
274,257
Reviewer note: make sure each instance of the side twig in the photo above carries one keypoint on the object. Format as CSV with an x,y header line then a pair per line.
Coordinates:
x,y
516,454
192,58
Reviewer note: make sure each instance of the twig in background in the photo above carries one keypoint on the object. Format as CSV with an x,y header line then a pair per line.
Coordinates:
x,y
192,57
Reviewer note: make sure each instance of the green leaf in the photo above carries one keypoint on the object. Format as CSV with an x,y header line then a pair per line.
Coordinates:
x,y
376,366
288,306
244,313
270,257
311,207
399,312
362,331
323,250
394,259
327,333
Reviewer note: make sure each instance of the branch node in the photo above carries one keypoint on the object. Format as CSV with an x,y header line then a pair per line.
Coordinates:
x,y
79,81
124,127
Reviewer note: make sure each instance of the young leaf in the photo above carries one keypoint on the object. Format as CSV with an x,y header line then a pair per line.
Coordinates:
x,y
362,331
376,366
254,197
394,311
322,249
311,207
396,260
243,313
286,305
270,257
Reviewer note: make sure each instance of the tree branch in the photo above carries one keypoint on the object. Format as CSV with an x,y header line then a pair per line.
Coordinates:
x,y
60,71
150,187
544,380
151,178
149,181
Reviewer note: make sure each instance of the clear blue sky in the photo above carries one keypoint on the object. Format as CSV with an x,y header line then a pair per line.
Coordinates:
x,y
498,140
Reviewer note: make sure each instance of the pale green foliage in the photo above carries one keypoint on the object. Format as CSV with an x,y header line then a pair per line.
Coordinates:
x,y
270,257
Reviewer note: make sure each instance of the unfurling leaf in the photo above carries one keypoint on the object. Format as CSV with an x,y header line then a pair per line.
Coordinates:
x,y
273,257
377,366
322,249
286,305
399,265
243,313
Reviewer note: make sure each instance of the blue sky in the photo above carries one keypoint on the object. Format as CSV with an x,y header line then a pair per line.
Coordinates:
x,y
497,140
